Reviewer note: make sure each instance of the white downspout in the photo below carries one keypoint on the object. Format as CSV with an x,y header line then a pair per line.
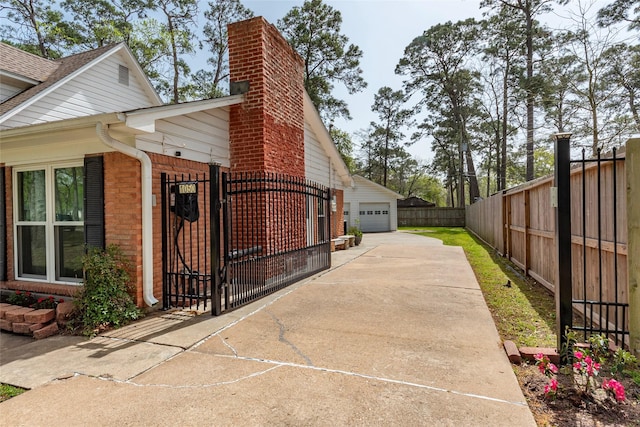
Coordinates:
x,y
147,217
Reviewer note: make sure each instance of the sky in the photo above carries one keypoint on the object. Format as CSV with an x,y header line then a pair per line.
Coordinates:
x,y
382,29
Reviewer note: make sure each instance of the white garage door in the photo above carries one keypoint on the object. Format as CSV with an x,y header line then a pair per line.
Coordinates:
x,y
374,217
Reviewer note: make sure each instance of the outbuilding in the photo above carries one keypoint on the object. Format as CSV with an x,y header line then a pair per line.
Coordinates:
x,y
370,206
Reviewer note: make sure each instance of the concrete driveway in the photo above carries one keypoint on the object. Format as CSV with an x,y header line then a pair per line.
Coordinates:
x,y
396,333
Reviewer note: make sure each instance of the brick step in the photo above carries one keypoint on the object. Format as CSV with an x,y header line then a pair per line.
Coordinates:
x,y
39,323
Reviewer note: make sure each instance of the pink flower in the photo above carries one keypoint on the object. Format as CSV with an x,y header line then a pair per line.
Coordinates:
x,y
551,388
18,292
553,368
578,355
60,300
40,300
615,388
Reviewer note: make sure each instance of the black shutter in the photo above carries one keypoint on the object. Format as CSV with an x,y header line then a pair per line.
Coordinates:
x,y
3,226
94,202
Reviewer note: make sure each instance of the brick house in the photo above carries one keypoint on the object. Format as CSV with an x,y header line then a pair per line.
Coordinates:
x,y
84,140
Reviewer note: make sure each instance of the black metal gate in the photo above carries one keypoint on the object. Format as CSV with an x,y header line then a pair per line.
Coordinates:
x,y
275,232
592,297
237,238
188,239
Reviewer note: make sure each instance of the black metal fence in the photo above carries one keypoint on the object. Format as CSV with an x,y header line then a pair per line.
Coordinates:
x,y
593,299
601,313
187,235
275,233
237,238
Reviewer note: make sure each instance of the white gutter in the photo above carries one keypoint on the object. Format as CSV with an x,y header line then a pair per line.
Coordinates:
x,y
147,218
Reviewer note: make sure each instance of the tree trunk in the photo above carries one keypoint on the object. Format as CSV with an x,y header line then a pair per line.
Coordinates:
x,y
174,52
634,108
474,190
502,147
530,97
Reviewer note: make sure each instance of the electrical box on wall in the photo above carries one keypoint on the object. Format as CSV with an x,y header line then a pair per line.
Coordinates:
x,y
185,201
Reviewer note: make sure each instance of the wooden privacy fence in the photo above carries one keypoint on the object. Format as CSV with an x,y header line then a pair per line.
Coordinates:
x,y
520,224
431,217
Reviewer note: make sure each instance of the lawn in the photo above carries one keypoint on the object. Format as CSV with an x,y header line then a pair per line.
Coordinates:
x,y
523,311
8,391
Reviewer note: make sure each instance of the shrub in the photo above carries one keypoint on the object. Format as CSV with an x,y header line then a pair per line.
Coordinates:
x,y
104,300
355,231
27,299
22,298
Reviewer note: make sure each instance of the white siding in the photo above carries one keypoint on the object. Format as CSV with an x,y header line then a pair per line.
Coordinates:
x,y
201,136
94,91
317,164
367,192
7,91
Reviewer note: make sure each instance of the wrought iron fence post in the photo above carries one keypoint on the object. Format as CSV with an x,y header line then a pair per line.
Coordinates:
x,y
165,254
563,287
214,209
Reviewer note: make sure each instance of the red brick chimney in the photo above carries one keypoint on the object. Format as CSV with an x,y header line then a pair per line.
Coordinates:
x,y
266,131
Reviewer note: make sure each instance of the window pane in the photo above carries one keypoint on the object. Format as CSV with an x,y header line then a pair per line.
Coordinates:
x,y
31,193
69,251
32,261
69,186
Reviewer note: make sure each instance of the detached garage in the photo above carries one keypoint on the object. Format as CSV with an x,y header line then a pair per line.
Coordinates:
x,y
374,206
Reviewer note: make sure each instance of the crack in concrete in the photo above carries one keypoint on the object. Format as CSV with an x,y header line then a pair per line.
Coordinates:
x,y
171,386
282,338
382,379
224,341
279,364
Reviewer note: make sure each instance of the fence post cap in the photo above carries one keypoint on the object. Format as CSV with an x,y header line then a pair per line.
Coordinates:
x,y
562,135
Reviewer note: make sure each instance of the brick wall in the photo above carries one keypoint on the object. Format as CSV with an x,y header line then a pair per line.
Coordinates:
x,y
123,211
267,131
190,170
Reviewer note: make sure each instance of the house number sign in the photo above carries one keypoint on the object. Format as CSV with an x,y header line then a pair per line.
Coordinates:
x,y
187,188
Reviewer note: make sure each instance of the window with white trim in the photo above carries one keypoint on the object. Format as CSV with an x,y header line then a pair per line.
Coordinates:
x,y
49,222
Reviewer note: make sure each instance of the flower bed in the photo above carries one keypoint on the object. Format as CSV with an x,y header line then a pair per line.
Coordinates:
x,y
24,313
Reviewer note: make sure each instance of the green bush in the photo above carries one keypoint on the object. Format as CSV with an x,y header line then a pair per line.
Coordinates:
x,y
104,300
354,231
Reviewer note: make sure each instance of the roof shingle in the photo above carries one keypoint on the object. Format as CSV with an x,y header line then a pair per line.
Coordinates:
x,y
25,64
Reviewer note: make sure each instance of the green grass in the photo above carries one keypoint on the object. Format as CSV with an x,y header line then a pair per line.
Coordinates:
x,y
9,391
523,312
634,374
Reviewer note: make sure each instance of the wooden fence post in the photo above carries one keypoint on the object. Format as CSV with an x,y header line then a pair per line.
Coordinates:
x,y
563,287
632,166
